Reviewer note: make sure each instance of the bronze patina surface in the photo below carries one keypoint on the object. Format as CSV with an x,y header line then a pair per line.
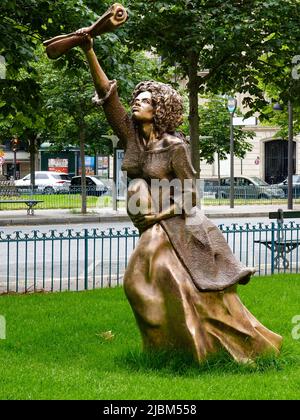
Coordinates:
x,y
182,277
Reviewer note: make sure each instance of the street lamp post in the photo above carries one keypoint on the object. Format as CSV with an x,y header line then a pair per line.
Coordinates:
x,y
231,106
290,157
278,107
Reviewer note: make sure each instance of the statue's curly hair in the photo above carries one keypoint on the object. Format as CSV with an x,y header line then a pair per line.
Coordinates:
x,y
167,103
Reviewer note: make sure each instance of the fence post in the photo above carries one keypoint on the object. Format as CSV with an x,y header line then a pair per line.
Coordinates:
x,y
272,247
86,259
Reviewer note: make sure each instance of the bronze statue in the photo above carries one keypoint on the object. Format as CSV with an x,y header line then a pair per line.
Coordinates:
x,y
182,277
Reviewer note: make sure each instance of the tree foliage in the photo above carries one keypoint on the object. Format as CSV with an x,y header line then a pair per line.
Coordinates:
x,y
229,38
215,132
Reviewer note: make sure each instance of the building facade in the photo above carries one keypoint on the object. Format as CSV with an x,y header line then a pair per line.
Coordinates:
x,y
267,160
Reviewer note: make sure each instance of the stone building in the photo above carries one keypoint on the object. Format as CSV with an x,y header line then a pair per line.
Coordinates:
x,y
268,158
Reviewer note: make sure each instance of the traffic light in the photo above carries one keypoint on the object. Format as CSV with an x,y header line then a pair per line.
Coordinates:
x,y
14,144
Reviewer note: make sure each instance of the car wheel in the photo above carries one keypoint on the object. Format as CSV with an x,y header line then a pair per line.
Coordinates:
x,y
48,190
263,197
221,195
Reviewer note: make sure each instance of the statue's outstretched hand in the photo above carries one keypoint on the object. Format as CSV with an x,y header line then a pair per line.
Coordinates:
x,y
87,40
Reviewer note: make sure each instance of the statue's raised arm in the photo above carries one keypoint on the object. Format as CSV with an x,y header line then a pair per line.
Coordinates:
x,y
106,90
115,16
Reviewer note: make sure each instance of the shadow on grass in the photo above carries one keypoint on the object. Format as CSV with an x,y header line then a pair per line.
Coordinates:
x,y
183,364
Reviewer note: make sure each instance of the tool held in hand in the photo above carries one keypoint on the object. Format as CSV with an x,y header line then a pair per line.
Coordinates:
x,y
115,16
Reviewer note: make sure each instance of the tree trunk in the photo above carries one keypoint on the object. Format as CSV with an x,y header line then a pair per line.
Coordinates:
x,y
194,120
83,173
32,161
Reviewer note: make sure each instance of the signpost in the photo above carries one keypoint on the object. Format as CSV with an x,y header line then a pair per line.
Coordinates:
x,y
121,180
115,140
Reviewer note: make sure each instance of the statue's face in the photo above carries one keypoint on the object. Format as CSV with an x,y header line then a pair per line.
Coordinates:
x,y
142,108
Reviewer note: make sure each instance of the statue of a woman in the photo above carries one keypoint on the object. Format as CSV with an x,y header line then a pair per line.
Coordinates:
x,y
182,277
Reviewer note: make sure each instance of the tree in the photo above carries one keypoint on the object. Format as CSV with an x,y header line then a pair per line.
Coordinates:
x,y
24,119
227,37
282,86
25,24
215,133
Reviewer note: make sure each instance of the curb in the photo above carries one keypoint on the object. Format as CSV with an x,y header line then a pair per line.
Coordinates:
x,y
36,220
233,215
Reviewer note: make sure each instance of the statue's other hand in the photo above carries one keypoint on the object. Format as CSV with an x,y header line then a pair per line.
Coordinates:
x,y
144,221
87,40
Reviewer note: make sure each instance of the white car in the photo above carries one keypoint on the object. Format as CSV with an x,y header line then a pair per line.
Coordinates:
x,y
46,182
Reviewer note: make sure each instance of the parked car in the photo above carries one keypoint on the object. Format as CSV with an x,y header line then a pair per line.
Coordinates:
x,y
245,188
94,185
296,186
46,182
210,187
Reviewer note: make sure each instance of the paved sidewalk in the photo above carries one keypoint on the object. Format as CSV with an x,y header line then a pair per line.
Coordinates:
x,y
49,217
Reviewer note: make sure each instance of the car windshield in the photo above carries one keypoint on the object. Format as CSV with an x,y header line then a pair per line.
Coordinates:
x,y
259,181
61,176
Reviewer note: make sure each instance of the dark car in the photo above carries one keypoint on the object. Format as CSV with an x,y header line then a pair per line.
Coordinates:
x,y
246,188
94,185
211,187
296,186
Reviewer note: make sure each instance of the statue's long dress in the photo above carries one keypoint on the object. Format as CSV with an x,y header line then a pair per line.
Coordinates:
x,y
182,276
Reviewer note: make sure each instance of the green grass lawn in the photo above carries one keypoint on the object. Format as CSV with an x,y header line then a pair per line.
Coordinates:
x,y
56,349
58,201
